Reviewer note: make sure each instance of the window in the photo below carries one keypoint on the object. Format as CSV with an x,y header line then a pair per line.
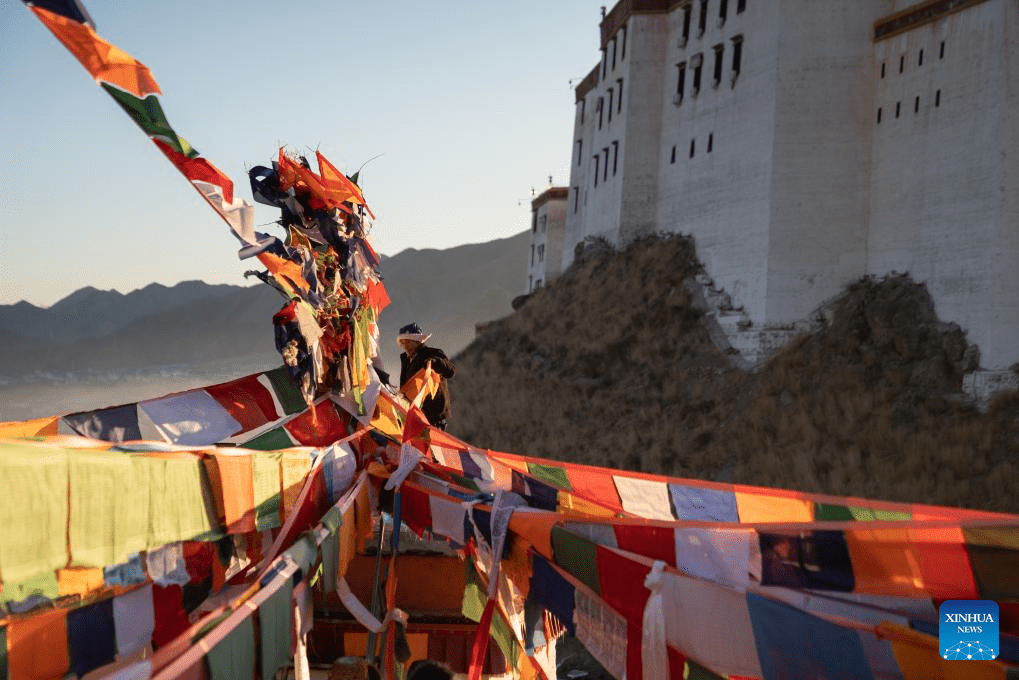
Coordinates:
x,y
897,106
941,54
937,98
541,253
601,111
544,223
879,115
619,99
672,160
534,223
681,81
622,44
741,6
686,23
882,69
615,157
604,62
919,61
697,75
613,54
737,54
580,151
532,254
576,198
530,281
691,148
702,20
605,176
723,11
583,105
902,63
719,50
916,105
537,284
597,159
711,142
610,104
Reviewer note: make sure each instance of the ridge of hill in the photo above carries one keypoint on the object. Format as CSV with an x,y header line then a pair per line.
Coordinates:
x,y
612,365
194,323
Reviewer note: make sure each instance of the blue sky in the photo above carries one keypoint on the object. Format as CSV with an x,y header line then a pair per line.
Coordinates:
x,y
469,103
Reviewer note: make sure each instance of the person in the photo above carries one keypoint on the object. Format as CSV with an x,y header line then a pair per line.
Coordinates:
x,y
416,357
428,669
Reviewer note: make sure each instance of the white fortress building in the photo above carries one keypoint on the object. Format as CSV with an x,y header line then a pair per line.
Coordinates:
x,y
806,143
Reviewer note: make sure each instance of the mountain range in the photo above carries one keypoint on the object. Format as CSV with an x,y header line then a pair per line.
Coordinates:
x,y
197,324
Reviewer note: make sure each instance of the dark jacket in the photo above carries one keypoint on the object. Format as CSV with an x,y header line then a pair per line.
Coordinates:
x,y
437,408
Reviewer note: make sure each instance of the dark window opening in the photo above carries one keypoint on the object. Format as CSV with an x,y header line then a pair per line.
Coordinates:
x,y
673,160
711,142
534,228
702,20
937,98
601,111
613,54
879,115
941,54
692,145
882,69
576,198
897,106
737,53
686,23
604,62
681,81
719,50
541,253
580,151
610,104
902,63
615,157
537,284
622,44
583,106
597,160
606,170
919,61
916,105
619,104
532,254
723,10
741,5
697,76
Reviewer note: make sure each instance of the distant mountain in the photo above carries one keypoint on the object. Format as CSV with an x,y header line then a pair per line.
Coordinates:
x,y
191,323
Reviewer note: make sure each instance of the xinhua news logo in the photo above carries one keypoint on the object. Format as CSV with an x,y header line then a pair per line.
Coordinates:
x,y
968,630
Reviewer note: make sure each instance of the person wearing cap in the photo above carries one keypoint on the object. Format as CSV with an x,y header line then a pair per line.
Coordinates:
x,y
416,357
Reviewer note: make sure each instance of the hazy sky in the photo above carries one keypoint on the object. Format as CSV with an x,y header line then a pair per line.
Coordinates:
x,y
469,102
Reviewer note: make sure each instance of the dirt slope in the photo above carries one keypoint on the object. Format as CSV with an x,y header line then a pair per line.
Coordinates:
x,y
613,366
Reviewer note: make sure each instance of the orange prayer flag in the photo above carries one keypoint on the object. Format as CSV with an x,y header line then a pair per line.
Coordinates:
x,y
79,580
337,182
37,646
39,427
286,272
105,62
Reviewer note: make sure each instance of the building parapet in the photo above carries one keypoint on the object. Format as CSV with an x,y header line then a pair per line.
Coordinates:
x,y
918,15
589,82
624,9
547,195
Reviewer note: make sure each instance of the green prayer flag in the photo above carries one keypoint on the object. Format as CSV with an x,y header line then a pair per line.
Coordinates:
x,y
303,552
274,624
556,476
825,512
33,512
178,500
576,555
693,671
475,598
234,657
287,393
503,636
273,440
266,477
109,508
148,114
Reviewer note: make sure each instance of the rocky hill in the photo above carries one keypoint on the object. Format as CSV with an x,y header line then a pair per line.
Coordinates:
x,y
613,365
